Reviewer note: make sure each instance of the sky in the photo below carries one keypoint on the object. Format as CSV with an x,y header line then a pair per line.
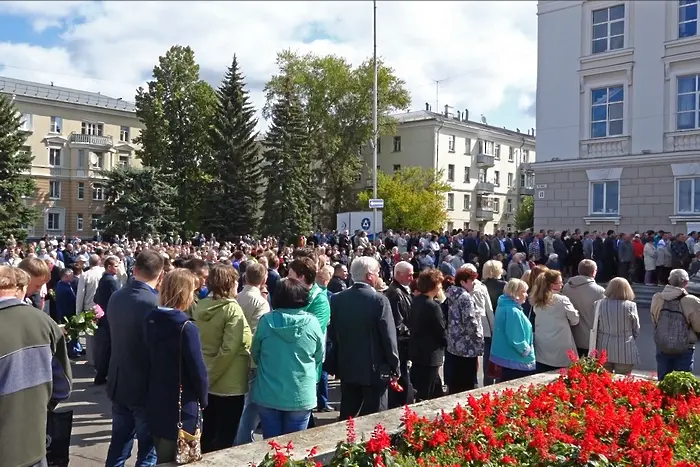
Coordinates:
x,y
484,53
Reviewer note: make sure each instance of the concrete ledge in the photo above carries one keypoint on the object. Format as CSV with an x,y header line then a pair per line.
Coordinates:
x,y
327,437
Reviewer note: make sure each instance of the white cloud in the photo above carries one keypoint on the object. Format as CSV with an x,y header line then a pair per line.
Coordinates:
x,y
480,49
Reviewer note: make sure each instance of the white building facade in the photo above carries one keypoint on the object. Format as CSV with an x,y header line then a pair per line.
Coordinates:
x,y
488,168
618,115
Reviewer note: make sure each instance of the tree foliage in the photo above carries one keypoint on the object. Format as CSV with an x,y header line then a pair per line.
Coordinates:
x,y
177,108
139,202
232,203
414,199
14,181
287,170
525,215
337,102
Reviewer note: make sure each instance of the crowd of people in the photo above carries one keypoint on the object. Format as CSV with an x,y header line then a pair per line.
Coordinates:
x,y
223,338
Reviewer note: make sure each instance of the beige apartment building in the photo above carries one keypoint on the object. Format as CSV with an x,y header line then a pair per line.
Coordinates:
x,y
73,136
488,168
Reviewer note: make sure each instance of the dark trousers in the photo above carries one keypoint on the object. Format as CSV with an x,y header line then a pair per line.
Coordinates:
x,y
399,399
463,373
322,392
542,368
129,423
220,421
357,400
623,269
662,273
426,381
510,374
103,347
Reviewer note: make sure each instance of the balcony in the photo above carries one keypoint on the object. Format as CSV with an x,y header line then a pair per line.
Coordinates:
x,y
527,190
485,187
484,214
485,160
91,140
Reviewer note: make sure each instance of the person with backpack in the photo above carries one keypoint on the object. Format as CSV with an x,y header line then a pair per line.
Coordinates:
x,y
676,318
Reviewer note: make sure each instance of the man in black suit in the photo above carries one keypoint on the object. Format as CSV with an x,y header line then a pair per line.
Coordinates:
x,y
105,288
337,282
519,243
127,383
400,299
362,352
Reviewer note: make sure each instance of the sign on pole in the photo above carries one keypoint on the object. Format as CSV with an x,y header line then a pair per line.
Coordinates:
x,y
376,204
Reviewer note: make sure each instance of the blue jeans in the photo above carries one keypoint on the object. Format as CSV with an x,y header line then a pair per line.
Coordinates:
x,y
74,348
322,392
666,363
250,417
282,422
127,423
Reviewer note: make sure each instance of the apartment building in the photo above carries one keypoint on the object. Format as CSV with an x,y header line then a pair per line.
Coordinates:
x,y
73,136
618,115
488,168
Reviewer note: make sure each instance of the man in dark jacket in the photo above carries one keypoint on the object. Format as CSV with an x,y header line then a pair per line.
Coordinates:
x,y
338,281
363,352
36,375
400,299
105,288
127,383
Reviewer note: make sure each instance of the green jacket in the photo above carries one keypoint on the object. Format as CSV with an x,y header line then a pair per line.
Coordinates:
x,y
320,307
226,340
288,349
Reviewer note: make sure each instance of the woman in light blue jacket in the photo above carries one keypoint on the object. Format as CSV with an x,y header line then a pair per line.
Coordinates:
x,y
288,350
512,344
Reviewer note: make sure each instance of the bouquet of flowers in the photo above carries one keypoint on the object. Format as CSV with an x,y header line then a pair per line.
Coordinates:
x,y
84,323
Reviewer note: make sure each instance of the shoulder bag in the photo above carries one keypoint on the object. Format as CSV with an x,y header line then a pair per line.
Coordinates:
x,y
189,447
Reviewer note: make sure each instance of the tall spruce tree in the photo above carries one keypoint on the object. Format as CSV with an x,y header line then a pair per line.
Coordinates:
x,y
287,166
233,200
14,181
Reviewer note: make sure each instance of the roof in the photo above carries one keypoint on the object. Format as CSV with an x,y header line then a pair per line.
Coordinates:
x,y
422,115
56,93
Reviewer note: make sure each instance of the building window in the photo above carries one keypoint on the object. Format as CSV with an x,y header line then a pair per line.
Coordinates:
x,y
358,177
25,122
451,173
688,103
81,158
526,155
482,175
497,178
450,201
93,129
397,144
95,221
79,223
465,226
510,180
54,189
605,197
55,157
486,147
451,143
466,175
124,134
687,18
496,205
608,29
509,206
688,195
124,159
98,192
81,190
56,125
467,146
53,221
450,226
467,203
511,154
98,161
397,168
497,152
607,111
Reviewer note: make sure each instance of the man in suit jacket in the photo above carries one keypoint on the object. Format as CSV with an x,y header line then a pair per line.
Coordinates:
x,y
127,382
363,352
109,283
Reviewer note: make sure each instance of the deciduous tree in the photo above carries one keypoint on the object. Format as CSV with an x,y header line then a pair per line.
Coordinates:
x,y
414,199
525,215
14,181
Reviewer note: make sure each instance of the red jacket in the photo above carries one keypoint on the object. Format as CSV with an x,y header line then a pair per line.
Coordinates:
x,y
638,248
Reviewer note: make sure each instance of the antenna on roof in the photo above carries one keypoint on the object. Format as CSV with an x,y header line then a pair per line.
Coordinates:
x,y
51,83
483,119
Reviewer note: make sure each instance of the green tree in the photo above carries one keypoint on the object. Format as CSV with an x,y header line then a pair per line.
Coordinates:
x,y
177,108
337,100
525,215
234,195
14,181
414,199
139,202
286,167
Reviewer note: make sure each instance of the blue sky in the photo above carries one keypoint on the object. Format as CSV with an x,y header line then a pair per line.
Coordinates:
x,y
486,49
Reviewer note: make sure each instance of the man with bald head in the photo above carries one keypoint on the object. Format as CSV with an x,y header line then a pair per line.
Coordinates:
x,y
400,299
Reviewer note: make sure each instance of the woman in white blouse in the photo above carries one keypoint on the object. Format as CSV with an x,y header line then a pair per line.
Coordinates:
x,y
555,316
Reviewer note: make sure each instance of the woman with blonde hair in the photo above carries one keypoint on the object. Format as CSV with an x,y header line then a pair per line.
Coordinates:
x,y
529,278
618,327
555,316
178,384
226,340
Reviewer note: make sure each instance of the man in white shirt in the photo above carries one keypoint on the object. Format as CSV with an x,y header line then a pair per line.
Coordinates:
x,y
87,285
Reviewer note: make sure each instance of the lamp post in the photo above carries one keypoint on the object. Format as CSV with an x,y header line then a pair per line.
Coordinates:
x,y
374,124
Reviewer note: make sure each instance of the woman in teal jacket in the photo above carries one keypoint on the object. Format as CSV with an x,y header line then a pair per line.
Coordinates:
x,y
512,344
288,350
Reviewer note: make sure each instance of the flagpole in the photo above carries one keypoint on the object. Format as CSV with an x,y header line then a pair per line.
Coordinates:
x,y
374,123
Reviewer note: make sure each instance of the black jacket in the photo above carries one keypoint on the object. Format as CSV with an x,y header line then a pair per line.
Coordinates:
x,y
336,284
362,335
426,346
495,288
105,288
400,301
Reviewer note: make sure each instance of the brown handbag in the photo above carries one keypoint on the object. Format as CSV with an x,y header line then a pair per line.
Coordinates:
x,y
189,446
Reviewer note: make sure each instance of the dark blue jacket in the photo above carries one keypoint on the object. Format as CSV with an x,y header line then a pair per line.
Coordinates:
x,y
105,288
273,277
65,301
164,331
